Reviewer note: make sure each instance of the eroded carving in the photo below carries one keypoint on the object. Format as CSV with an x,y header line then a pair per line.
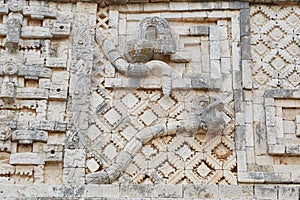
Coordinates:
x,y
28,136
157,31
15,5
140,51
34,87
204,116
14,24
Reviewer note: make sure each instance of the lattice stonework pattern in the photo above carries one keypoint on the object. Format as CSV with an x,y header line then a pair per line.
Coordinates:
x,y
275,45
270,152
160,111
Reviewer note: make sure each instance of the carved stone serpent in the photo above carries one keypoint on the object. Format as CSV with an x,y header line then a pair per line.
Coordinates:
x,y
137,70
204,117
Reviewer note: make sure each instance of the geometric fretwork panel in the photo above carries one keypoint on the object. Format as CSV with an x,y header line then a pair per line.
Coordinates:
x,y
188,160
181,157
275,46
162,98
270,148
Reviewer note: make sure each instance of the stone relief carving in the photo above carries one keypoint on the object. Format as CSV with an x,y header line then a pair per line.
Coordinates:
x,y
204,116
33,94
15,5
138,135
14,24
154,37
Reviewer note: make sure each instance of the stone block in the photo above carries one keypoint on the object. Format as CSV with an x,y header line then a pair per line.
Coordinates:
x,y
235,192
167,191
271,135
225,50
61,29
298,125
293,150
28,136
36,32
162,6
34,72
250,177
249,134
38,12
181,56
277,177
215,67
265,192
110,191
241,161
56,191
194,15
26,159
6,190
53,152
73,191
175,6
246,52
276,149
74,158
92,165
245,21
3,30
136,191
214,34
247,80
56,62
289,127
60,126
93,132
31,93
93,191
240,138
215,53
199,30
74,175
288,192
3,9
200,191
115,82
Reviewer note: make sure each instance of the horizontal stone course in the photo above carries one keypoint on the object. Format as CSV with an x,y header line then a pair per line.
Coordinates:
x,y
235,3
148,192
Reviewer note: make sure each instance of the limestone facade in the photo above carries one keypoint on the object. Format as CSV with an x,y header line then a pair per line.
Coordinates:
x,y
149,100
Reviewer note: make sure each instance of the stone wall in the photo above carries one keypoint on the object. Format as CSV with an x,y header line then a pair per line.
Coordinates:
x,y
149,192
140,100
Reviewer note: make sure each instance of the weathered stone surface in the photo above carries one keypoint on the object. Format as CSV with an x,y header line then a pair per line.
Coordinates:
x,y
200,191
28,136
53,152
26,158
170,100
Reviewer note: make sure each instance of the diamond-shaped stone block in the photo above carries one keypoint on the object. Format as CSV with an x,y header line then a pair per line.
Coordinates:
x,y
185,152
92,165
93,132
278,63
166,169
203,170
129,100
166,103
294,79
95,99
276,34
112,116
110,151
148,117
